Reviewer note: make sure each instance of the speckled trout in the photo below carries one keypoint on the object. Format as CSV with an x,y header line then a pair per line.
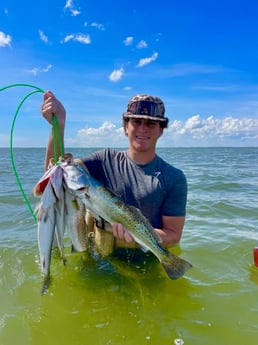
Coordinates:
x,y
102,202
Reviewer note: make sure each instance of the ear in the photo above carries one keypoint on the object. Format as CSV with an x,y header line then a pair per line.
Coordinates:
x,y
161,132
126,128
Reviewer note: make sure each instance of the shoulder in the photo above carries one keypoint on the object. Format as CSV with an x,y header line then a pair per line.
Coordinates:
x,y
102,155
172,178
169,170
113,156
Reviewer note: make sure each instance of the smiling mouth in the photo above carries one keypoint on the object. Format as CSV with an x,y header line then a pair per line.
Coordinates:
x,y
142,138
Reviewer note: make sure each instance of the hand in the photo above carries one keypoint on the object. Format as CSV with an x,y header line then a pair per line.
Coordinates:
x,y
51,105
121,233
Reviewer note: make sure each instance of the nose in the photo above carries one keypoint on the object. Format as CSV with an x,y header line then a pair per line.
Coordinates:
x,y
143,124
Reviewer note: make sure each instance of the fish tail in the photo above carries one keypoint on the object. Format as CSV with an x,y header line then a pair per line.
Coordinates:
x,y
45,284
175,267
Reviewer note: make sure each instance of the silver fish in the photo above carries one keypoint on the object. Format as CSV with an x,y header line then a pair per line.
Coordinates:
x,y
46,227
75,223
56,180
60,224
105,204
58,211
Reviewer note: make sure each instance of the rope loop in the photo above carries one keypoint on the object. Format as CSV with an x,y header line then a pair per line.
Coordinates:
x,y
56,137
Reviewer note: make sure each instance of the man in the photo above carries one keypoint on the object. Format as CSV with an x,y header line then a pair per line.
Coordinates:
x,y
139,176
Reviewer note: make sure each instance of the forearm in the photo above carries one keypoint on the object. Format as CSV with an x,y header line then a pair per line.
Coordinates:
x,y
172,230
59,144
52,106
168,237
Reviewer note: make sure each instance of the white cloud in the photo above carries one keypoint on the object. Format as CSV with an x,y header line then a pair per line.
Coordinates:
x,y
69,5
98,26
75,13
116,75
43,37
68,38
127,88
210,131
36,70
5,40
81,38
142,44
97,137
146,61
128,41
195,131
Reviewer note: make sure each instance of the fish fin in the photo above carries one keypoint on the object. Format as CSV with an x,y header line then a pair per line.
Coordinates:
x,y
45,284
175,267
158,237
144,249
73,250
37,209
75,204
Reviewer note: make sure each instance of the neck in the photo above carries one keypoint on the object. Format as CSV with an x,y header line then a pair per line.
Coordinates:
x,y
141,157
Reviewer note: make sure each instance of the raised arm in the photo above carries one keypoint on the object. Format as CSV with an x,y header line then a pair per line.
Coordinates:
x,y
51,105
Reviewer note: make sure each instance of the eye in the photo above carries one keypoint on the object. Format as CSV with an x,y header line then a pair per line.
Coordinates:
x,y
136,122
151,123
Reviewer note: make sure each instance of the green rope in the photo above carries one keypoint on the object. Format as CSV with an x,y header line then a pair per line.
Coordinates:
x,y
15,85
56,137
12,157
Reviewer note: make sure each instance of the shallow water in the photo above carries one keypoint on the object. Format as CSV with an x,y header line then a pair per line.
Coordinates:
x,y
132,301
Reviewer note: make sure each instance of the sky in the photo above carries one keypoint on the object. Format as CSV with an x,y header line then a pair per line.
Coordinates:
x,y
200,57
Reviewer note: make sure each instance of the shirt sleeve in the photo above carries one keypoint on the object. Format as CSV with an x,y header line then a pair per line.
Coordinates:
x,y
94,163
176,198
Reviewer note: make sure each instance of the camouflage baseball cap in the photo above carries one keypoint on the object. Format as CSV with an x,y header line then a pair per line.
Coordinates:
x,y
146,107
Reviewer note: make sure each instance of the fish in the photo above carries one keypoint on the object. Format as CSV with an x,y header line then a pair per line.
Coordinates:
x,y
40,186
105,204
75,213
57,212
56,180
50,216
60,223
46,227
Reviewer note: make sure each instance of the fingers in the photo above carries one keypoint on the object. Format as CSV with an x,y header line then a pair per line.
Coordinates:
x,y
50,106
120,232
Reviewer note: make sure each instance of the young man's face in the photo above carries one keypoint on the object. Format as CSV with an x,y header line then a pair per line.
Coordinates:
x,y
143,134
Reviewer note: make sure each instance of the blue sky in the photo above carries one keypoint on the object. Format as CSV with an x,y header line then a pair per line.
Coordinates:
x,y
199,56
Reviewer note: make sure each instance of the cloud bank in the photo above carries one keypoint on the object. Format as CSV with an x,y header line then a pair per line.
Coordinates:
x,y
195,131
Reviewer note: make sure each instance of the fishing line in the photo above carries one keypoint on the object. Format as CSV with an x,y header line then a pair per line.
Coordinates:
x,y
56,138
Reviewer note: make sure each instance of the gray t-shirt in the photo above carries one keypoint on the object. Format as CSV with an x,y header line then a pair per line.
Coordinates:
x,y
157,188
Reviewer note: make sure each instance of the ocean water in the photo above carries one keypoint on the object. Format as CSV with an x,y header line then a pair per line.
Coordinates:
x,y
132,302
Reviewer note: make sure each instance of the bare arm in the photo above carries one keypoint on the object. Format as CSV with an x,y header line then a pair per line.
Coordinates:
x,y
170,234
51,105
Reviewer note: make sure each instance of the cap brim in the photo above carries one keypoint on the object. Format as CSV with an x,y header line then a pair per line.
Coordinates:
x,y
147,117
